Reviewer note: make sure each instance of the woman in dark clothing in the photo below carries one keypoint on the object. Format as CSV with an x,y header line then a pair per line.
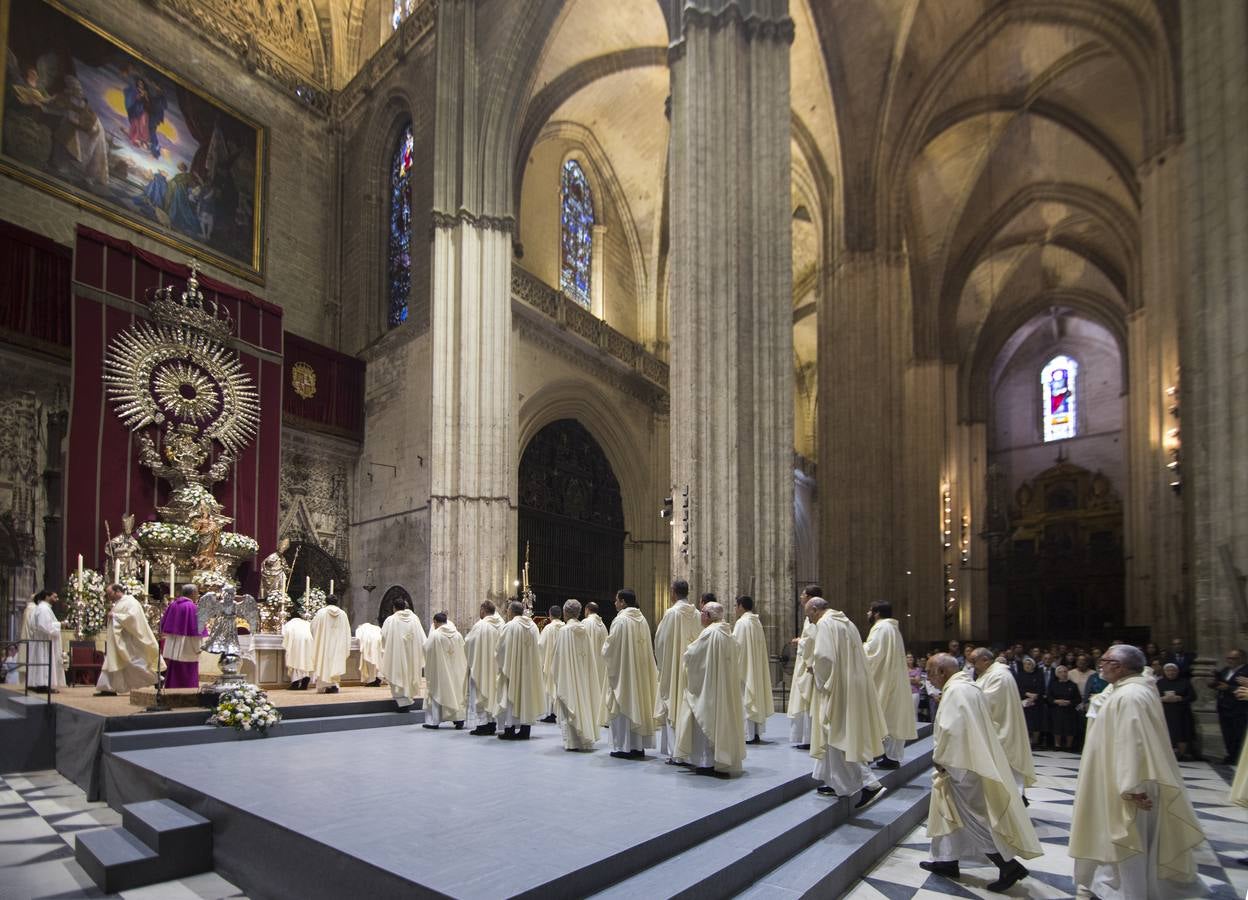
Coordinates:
x,y
1063,699
1031,689
1177,697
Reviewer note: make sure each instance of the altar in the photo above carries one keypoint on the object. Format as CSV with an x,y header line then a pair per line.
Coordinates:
x,y
264,662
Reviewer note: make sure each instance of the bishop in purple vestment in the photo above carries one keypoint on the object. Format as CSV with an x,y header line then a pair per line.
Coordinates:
x,y
181,637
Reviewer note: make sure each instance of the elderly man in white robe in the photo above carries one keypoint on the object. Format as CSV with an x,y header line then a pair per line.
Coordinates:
x,y
847,726
519,693
331,645
297,650
481,645
974,810
45,631
546,647
802,687
1006,705
598,632
632,680
677,629
368,636
403,654
578,687
1133,828
132,653
710,732
755,666
886,661
446,674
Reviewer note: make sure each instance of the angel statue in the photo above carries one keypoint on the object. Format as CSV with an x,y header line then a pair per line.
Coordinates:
x,y
125,556
224,610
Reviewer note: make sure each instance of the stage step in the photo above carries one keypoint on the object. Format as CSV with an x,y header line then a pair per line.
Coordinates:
x,y
158,840
147,738
27,733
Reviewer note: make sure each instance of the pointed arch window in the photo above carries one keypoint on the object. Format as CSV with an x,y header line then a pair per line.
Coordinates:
x,y
1059,386
399,267
401,10
576,205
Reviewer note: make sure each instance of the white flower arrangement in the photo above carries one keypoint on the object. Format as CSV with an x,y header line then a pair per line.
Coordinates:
x,y
166,533
245,708
192,495
238,544
133,587
88,609
311,603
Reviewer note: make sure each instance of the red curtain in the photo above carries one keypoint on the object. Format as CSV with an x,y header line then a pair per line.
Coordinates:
x,y
34,287
337,403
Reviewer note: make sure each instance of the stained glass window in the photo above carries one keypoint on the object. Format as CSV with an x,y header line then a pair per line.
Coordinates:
x,y
1057,383
577,233
400,256
402,8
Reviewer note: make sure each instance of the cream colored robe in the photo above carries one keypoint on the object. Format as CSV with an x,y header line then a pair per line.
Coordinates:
x,y
297,647
598,632
546,646
369,636
755,668
679,627
1239,787
713,698
578,688
886,661
331,645
446,671
845,713
45,627
519,672
632,678
403,655
1127,750
481,645
131,650
1006,705
26,632
965,738
802,688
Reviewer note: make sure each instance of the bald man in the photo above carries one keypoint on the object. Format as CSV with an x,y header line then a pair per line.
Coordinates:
x,y
710,732
1006,705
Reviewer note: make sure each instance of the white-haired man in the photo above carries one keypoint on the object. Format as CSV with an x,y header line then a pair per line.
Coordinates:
x,y
710,732
1006,705
578,687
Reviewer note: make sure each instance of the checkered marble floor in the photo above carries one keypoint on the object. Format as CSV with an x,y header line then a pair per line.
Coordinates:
x,y
40,812
898,876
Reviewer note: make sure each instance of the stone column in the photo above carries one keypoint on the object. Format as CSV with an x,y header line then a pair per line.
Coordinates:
x,y
1214,328
731,303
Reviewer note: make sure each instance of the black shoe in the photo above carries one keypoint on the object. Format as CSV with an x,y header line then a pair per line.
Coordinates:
x,y
104,694
1011,873
295,686
459,726
303,685
676,762
509,734
710,772
944,869
801,747
621,754
549,719
333,689
636,754
825,790
427,725
886,763
524,733
757,740
868,796
490,727
481,730
1026,802
376,682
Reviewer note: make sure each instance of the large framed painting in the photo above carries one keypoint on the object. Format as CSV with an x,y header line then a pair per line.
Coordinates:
x,y
87,118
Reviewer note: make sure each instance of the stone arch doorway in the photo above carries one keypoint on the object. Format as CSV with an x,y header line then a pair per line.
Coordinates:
x,y
386,610
571,518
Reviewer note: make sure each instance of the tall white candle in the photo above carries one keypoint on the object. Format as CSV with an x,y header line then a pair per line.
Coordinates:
x,y
331,587
147,577
307,585
116,570
80,571
173,589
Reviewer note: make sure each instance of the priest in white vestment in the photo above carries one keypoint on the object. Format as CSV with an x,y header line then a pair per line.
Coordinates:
x,y
632,680
677,629
446,674
131,653
598,632
802,687
710,733
847,726
546,647
481,645
1006,705
975,809
403,653
519,693
297,650
45,628
755,664
1133,828
578,686
368,636
331,645
26,630
886,661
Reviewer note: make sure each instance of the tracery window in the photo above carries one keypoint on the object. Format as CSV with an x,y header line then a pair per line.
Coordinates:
x,y
1058,385
576,233
402,9
400,255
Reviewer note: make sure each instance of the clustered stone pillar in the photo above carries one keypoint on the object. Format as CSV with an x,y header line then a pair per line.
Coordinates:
x,y
731,303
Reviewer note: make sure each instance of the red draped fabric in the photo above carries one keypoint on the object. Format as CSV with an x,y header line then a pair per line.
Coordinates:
x,y
337,402
34,289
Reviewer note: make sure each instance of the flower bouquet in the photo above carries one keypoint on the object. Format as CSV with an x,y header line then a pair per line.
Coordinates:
x,y
245,708
166,535
311,603
236,544
88,608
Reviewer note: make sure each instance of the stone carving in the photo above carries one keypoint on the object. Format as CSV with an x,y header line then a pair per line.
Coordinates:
x,y
567,474
411,31
314,498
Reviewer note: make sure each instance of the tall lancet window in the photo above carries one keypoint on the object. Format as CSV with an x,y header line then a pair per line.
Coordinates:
x,y
402,8
577,238
400,256
1058,385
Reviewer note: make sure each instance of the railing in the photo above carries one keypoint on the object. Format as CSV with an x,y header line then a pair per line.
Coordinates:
x,y
24,663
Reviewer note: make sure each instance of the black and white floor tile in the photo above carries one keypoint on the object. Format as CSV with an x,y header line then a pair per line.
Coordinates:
x,y
898,876
40,813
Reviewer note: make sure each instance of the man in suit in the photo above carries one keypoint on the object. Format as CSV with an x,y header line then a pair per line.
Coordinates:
x,y
1180,657
1232,712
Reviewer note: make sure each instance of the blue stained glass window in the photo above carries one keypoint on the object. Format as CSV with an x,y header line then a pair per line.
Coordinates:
x,y
400,256
1057,383
401,10
577,233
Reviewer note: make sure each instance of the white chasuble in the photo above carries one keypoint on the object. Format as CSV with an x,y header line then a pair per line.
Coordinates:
x,y
331,645
632,679
1006,705
578,690
481,645
446,671
713,699
886,661
845,711
519,690
403,655
755,668
132,652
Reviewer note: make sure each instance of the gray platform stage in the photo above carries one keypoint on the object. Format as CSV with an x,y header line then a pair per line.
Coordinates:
x,y
447,814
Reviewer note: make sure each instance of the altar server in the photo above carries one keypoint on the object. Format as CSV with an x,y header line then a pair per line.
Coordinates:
x,y
975,809
847,726
886,661
546,647
802,687
331,645
1006,705
1133,828
182,637
481,645
446,672
519,692
710,733
755,669
131,650
297,650
677,630
578,687
632,680
368,636
403,653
